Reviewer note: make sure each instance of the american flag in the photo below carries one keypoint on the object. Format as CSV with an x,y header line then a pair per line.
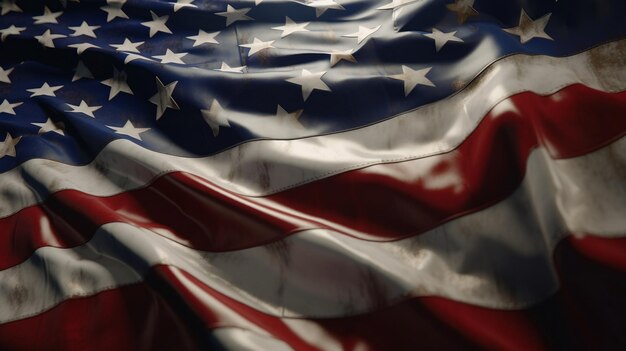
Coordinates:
x,y
312,174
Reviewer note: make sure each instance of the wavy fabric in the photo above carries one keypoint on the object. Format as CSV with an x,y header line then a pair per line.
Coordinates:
x,y
287,278
312,175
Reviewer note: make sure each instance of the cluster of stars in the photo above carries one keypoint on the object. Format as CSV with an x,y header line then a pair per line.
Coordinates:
x,y
215,115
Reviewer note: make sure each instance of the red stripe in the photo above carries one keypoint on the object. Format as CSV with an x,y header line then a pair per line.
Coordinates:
x,y
588,313
128,318
491,163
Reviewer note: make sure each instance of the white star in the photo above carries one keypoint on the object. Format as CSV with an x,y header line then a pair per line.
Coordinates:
x,y
183,3
46,39
113,10
117,83
163,98
45,90
128,46
395,4
257,46
226,68
233,15
309,82
84,108
337,56
322,5
204,38
463,8
11,30
8,6
395,14
442,38
363,33
81,47
291,27
157,24
84,29
7,147
412,78
7,107
130,130
132,57
215,117
171,57
81,71
288,119
529,28
4,75
49,126
47,17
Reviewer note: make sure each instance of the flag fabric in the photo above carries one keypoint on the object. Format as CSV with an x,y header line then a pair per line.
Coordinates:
x,y
312,175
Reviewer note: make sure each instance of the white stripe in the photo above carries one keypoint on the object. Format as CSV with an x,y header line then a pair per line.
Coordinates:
x,y
500,257
268,166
